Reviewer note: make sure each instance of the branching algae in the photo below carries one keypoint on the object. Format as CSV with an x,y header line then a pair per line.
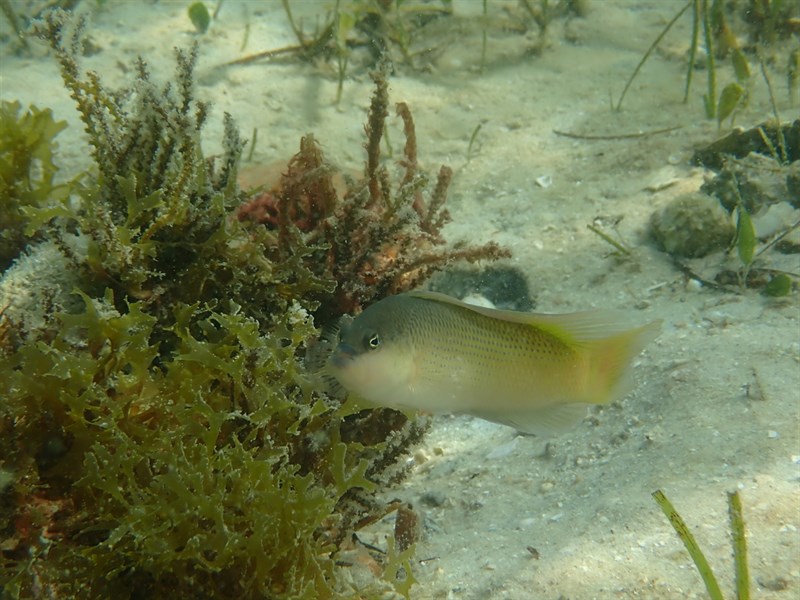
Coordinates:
x,y
158,432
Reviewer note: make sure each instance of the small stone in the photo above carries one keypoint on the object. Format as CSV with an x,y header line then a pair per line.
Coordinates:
x,y
777,584
693,285
433,498
692,226
420,457
756,180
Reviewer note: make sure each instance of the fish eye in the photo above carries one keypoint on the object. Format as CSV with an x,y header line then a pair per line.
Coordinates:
x,y
373,341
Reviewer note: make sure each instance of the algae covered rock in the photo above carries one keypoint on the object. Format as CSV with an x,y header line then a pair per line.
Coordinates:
x,y
35,287
691,226
756,181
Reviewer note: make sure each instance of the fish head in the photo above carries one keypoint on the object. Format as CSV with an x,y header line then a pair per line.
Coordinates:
x,y
372,359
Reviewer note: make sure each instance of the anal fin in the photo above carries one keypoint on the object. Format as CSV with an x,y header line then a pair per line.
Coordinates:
x,y
547,421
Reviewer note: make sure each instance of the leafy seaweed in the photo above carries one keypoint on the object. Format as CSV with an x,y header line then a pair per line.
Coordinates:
x,y
27,171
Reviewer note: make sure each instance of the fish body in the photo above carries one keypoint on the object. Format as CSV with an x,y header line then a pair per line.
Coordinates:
x,y
538,373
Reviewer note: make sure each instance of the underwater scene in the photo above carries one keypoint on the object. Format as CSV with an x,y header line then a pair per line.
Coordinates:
x,y
400,299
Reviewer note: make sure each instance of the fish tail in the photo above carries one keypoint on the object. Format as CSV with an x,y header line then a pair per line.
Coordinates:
x,y
609,376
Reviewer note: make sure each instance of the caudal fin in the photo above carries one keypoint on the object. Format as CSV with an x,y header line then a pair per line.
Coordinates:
x,y
610,372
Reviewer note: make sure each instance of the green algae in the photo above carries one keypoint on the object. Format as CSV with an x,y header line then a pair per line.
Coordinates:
x,y
175,475
159,434
27,171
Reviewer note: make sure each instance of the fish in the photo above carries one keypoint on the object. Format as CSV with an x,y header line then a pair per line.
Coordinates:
x,y
426,351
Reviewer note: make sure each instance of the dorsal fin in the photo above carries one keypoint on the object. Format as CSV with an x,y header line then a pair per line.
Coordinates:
x,y
573,327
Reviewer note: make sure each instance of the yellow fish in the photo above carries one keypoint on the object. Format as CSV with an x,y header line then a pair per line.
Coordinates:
x,y
538,373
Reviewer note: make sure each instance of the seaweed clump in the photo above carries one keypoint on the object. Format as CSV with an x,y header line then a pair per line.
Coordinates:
x,y
27,171
371,238
158,432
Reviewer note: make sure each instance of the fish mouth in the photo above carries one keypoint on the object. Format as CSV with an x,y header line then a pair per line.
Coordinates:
x,y
343,356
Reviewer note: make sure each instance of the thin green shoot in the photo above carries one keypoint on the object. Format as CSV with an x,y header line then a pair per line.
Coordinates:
x,y
793,75
692,49
345,21
252,145
483,44
739,546
472,139
246,36
217,9
784,159
607,238
650,51
297,32
708,34
768,143
741,67
688,540
745,237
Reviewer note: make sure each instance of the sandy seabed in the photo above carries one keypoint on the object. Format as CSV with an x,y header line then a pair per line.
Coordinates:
x,y
716,406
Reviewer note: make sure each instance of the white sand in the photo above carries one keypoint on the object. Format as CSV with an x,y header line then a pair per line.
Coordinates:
x,y
689,427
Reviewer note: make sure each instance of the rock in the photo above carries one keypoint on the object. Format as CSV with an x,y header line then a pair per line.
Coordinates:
x,y
757,181
691,226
